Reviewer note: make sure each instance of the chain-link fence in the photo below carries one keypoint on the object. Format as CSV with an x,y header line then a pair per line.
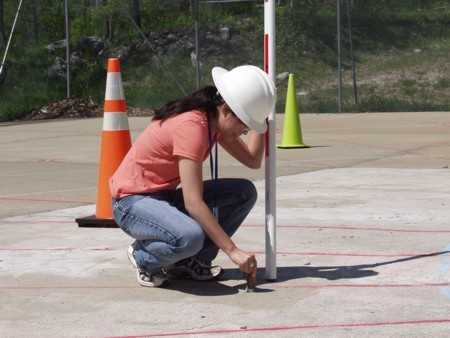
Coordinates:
x,y
393,53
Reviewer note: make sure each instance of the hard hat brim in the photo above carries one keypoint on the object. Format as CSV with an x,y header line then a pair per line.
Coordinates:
x,y
217,75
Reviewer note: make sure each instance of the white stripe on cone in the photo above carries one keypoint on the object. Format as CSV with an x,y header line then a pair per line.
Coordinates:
x,y
114,121
114,88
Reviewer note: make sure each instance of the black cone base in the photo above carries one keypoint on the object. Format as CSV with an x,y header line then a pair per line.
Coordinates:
x,y
93,222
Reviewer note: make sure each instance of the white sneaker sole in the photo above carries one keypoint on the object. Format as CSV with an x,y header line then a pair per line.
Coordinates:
x,y
130,254
155,283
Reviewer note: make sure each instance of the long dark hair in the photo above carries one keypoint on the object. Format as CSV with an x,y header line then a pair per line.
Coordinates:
x,y
206,100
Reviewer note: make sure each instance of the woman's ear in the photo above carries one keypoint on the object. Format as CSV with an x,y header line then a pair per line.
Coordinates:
x,y
225,109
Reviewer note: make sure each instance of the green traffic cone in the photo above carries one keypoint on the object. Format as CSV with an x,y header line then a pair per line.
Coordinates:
x,y
292,129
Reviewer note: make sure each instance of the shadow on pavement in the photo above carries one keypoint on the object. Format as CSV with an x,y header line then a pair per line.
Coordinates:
x,y
285,273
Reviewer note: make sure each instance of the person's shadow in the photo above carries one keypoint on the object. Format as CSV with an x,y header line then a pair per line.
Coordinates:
x,y
285,273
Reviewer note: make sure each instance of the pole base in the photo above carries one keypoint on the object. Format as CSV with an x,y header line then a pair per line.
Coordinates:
x,y
292,146
94,222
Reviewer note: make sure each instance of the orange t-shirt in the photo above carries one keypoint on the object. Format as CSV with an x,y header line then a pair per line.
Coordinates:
x,y
152,162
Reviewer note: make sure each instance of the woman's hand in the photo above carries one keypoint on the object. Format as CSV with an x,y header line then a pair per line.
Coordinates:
x,y
249,154
246,261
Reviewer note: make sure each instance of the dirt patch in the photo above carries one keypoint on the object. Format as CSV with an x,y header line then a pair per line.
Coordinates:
x,y
76,108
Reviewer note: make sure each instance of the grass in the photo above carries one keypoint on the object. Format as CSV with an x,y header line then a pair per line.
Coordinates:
x,y
32,91
442,84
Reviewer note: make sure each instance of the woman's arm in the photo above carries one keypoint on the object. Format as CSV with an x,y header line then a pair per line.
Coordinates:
x,y
192,185
249,154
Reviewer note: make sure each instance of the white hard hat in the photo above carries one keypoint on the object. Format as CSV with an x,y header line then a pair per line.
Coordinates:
x,y
249,92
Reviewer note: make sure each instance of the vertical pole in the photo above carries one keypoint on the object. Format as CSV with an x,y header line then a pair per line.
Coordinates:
x,y
269,67
350,38
197,48
339,57
66,10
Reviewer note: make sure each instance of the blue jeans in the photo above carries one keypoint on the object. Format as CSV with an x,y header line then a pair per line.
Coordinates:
x,y
164,231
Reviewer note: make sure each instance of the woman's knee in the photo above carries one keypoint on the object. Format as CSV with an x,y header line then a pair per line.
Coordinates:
x,y
249,191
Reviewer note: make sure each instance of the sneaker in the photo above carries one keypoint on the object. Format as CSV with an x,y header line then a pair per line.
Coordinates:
x,y
151,279
195,269
146,278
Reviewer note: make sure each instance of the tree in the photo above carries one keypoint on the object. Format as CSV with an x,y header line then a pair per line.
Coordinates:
x,y
2,25
136,12
35,20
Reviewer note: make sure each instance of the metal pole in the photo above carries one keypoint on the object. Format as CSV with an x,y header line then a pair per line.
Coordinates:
x,y
66,10
350,37
196,38
270,168
339,57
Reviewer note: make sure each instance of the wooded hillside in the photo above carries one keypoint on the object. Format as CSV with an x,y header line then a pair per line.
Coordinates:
x,y
401,49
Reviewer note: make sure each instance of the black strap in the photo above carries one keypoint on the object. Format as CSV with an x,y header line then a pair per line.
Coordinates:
x,y
214,167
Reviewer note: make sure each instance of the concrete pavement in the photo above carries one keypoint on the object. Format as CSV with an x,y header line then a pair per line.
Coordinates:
x,y
363,239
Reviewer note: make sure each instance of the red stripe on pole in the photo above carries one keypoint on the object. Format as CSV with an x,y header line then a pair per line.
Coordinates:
x,y
267,142
266,53
266,69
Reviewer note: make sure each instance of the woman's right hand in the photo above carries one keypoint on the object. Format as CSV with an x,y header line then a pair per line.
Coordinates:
x,y
246,261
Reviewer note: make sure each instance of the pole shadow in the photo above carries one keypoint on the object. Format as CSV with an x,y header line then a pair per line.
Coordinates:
x,y
285,273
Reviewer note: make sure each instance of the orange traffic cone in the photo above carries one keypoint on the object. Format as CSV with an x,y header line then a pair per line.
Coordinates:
x,y
116,141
